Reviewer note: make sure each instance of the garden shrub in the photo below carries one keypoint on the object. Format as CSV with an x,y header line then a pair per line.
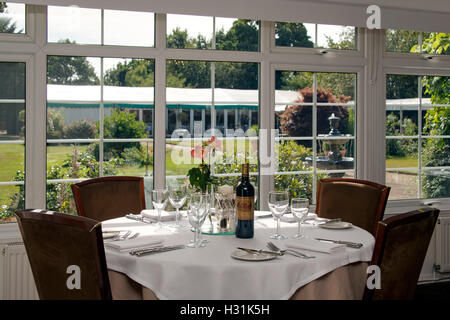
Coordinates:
x,y
80,129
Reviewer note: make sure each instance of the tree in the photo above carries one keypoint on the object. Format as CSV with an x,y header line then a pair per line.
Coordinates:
x,y
436,184
288,34
7,25
70,70
296,120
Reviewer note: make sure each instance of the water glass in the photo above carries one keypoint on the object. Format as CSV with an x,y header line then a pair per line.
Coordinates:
x,y
159,200
299,209
177,197
278,205
197,212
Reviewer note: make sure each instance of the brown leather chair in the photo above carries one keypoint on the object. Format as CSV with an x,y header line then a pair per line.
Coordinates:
x,y
109,197
359,202
400,247
54,241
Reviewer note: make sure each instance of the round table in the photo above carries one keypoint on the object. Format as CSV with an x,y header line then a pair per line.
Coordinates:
x,y
211,273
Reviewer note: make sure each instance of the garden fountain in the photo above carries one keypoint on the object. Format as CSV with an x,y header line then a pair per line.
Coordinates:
x,y
333,145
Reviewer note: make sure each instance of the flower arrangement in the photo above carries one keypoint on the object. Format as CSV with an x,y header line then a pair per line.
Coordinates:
x,y
200,177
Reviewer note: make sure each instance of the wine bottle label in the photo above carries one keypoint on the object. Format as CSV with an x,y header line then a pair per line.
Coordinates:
x,y
245,208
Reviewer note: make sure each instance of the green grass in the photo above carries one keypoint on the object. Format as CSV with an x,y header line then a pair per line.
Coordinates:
x,y
402,162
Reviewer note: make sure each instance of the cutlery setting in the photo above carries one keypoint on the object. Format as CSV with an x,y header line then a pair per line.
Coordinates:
x,y
155,249
355,245
296,253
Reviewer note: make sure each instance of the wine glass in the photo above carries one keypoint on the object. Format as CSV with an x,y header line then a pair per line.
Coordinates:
x,y
278,205
207,205
159,200
196,214
177,197
299,209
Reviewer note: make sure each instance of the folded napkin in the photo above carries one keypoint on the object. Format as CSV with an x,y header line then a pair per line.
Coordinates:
x,y
165,215
314,245
137,243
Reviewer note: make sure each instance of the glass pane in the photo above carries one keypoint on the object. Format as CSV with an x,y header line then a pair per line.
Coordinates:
x,y
189,32
129,96
12,198
403,183
136,159
341,87
293,155
12,17
402,41
417,42
436,167
298,186
237,34
288,34
73,97
336,37
293,87
12,81
72,161
74,25
129,28
12,162
196,32
60,198
308,35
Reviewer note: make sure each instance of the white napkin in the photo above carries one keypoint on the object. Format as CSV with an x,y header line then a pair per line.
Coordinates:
x,y
139,242
165,215
315,245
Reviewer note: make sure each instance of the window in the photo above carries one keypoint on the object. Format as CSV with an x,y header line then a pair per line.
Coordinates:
x,y
12,17
417,42
315,116
12,139
84,26
196,32
97,130
418,136
206,99
308,35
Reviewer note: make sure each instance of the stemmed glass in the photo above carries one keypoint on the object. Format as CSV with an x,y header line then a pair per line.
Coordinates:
x,y
159,200
177,197
278,205
197,213
299,209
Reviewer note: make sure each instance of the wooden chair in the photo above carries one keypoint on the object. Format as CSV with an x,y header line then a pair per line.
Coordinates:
x,y
56,241
400,247
359,202
109,197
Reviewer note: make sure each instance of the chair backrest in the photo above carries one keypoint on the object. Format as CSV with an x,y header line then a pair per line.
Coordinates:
x,y
109,197
401,244
359,202
54,242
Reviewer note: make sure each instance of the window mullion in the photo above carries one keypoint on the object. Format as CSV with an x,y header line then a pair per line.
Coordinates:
x,y
159,154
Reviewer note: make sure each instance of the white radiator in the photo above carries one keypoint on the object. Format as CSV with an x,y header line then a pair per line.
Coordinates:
x,y
17,278
443,244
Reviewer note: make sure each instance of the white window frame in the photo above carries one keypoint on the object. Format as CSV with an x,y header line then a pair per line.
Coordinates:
x,y
370,62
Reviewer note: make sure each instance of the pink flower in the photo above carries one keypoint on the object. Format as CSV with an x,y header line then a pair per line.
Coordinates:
x,y
198,152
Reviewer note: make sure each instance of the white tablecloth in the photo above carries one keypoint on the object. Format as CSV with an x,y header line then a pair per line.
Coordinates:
x,y
211,273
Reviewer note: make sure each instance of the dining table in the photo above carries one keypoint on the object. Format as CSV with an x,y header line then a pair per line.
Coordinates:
x,y
216,272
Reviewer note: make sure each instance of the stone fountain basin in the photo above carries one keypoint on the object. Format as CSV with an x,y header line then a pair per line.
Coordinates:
x,y
324,163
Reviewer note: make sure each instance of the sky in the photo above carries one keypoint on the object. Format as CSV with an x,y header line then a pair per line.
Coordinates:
x,y
84,26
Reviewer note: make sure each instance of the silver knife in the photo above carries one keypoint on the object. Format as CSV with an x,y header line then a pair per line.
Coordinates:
x,y
142,252
347,243
138,217
261,251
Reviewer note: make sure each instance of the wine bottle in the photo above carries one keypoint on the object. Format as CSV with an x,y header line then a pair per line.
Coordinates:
x,y
245,205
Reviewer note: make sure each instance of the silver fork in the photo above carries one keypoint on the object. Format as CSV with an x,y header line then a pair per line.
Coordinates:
x,y
273,247
124,237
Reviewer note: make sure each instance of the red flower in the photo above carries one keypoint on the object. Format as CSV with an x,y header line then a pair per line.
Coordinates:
x,y
198,152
